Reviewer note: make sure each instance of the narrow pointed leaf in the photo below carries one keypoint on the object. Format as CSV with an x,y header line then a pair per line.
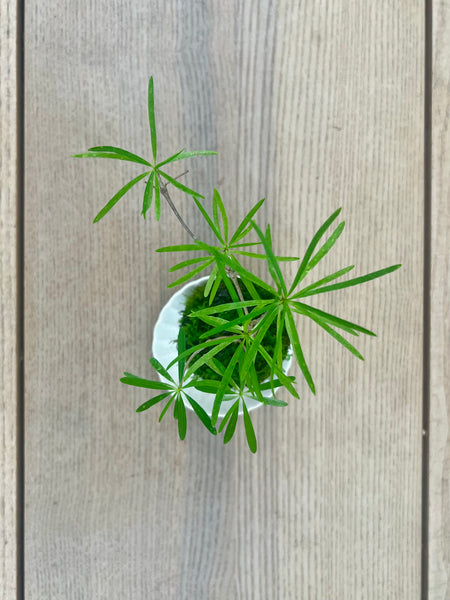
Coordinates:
x,y
352,282
199,347
179,185
205,358
151,402
179,248
207,218
263,326
188,263
323,281
124,154
228,415
118,196
210,281
181,347
343,324
145,383
192,154
157,199
240,231
111,155
160,369
325,248
338,337
295,341
249,431
181,418
215,310
148,194
224,383
166,408
191,274
202,415
170,159
271,260
151,117
218,205
231,424
309,251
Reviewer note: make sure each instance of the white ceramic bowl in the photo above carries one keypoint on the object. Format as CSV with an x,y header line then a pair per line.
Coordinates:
x,y
164,349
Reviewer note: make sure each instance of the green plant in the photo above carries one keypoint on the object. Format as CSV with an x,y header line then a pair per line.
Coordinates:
x,y
233,348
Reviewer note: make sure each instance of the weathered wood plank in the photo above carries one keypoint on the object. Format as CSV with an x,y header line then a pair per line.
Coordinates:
x,y
313,105
439,494
8,316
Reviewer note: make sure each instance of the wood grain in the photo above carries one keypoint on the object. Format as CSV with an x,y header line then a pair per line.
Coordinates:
x,y
439,494
314,106
8,295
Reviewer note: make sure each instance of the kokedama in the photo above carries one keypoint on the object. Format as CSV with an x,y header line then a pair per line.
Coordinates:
x,y
236,329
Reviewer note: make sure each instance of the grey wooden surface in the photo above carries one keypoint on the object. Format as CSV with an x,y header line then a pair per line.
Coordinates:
x,y
314,106
439,493
8,316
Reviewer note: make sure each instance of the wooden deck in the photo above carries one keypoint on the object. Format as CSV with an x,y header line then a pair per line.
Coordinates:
x,y
312,105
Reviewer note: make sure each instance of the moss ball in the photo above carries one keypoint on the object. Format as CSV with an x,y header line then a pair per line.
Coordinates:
x,y
195,327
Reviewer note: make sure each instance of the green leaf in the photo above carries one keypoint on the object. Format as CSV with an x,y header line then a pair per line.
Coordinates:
x,y
231,424
233,408
205,358
325,248
182,155
160,369
213,310
201,414
309,251
199,347
295,341
207,218
271,260
263,256
240,231
166,408
338,337
111,155
148,194
179,248
191,274
145,383
188,263
285,380
151,117
118,196
151,402
179,185
348,326
249,431
229,325
219,206
275,402
224,383
263,326
355,281
157,199
210,281
214,288
121,153
170,159
324,280
181,417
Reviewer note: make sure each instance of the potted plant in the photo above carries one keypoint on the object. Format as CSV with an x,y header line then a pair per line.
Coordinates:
x,y
227,338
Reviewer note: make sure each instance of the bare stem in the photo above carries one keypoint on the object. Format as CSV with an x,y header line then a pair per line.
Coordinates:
x,y
165,193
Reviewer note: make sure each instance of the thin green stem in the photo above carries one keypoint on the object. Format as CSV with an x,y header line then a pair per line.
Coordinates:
x,y
165,193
